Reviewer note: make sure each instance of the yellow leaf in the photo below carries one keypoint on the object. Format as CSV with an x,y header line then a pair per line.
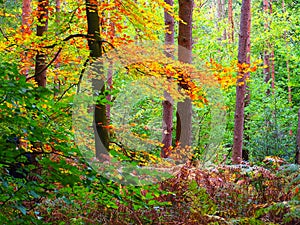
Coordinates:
x,y
9,105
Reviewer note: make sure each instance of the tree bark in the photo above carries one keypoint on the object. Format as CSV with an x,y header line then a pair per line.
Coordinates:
x,y
272,58
40,60
243,59
26,29
110,75
221,15
287,63
269,71
57,60
95,46
266,70
231,22
26,16
167,124
184,109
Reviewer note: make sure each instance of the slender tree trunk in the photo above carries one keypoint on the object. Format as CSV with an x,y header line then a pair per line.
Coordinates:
x,y
272,58
169,22
288,80
110,75
184,109
40,61
297,157
231,22
94,42
167,125
26,17
26,30
221,14
272,69
243,58
57,61
269,71
266,70
245,152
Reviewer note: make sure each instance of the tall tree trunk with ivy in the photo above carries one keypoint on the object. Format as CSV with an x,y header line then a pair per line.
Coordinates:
x,y
243,61
40,60
167,126
184,109
95,46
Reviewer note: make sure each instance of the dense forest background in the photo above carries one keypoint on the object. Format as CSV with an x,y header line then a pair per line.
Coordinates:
x,y
149,112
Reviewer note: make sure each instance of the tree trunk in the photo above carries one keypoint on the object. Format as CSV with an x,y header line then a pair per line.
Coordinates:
x,y
231,22
184,109
269,71
26,16
94,42
272,55
26,24
297,157
266,70
110,75
243,58
57,60
40,61
245,152
167,125
221,15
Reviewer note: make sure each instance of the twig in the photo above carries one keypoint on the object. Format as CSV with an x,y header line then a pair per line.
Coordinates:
x,y
4,35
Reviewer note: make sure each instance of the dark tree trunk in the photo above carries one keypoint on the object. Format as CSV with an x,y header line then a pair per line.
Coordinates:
x,y
40,61
94,42
167,126
184,109
243,58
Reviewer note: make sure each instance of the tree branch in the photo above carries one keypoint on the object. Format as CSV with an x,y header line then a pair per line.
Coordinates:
x,y
68,38
46,67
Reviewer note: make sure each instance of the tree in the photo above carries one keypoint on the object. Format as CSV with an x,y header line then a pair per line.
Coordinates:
x,y
184,109
40,60
26,17
95,46
269,69
243,73
167,126
231,22
26,30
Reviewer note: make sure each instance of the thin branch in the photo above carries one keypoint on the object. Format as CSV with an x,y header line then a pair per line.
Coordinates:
x,y
46,67
72,85
10,197
81,75
3,33
4,99
68,38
